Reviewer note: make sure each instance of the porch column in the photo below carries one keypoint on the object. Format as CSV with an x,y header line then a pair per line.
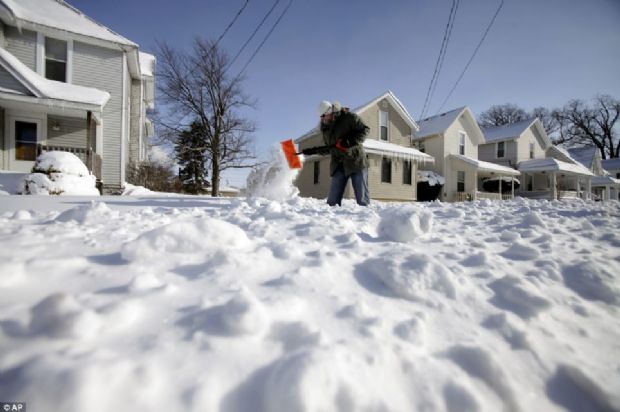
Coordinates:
x,y
512,186
475,196
607,193
589,188
579,194
501,180
554,186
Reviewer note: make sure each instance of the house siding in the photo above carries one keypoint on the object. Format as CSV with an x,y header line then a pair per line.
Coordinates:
x,y
134,123
72,133
396,190
399,131
7,81
102,68
305,179
488,153
451,138
22,45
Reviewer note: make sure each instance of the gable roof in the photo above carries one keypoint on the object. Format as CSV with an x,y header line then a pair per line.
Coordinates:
x,y
486,166
438,124
50,89
584,155
513,131
391,97
611,164
59,15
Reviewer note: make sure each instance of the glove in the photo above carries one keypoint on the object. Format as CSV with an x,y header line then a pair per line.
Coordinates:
x,y
341,146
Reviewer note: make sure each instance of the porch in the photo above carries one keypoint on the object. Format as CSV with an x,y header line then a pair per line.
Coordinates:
x,y
554,179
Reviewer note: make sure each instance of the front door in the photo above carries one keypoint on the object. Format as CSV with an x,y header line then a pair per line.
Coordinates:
x,y
24,134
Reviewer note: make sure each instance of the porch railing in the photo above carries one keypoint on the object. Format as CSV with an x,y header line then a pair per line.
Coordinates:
x,y
91,159
464,196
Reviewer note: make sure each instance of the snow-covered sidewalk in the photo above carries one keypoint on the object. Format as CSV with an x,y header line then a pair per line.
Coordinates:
x,y
203,304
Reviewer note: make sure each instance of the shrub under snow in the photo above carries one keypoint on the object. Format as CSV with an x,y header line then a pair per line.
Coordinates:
x,y
59,173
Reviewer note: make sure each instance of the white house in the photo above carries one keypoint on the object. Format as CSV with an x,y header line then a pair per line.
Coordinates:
x,y
69,83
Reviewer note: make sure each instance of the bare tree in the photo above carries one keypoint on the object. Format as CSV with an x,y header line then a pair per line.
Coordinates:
x,y
549,121
501,114
584,125
196,88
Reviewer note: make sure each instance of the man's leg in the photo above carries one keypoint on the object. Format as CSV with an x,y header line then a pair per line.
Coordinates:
x,y
359,180
336,191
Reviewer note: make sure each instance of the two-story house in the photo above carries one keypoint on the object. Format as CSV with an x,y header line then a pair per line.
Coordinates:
x,y
70,83
605,186
393,161
547,172
452,138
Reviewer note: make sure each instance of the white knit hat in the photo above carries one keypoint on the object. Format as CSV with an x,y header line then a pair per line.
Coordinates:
x,y
325,107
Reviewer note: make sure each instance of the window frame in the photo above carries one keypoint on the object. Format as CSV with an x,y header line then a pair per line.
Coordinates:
x,y
459,181
387,126
386,174
497,156
462,136
531,150
407,177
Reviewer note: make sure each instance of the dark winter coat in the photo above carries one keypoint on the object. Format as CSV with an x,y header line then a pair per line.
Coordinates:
x,y
351,131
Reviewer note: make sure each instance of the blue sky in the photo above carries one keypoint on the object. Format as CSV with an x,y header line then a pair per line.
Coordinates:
x,y
538,53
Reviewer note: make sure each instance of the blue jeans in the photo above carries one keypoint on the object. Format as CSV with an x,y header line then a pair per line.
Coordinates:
x,y
359,181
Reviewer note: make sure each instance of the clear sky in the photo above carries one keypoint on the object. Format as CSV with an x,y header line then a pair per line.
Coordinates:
x,y
538,53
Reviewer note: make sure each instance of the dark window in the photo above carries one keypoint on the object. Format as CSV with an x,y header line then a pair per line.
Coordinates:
x,y
530,183
56,59
461,143
317,172
422,147
25,141
501,149
617,175
386,170
531,150
460,182
407,172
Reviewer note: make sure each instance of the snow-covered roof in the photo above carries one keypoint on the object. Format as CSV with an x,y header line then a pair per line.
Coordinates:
x,y
584,155
605,181
549,164
506,132
147,64
486,166
438,124
391,97
50,89
611,164
393,150
58,15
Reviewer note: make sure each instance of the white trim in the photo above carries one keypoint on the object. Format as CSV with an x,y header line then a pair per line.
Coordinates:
x,y
69,75
462,134
123,135
40,55
497,150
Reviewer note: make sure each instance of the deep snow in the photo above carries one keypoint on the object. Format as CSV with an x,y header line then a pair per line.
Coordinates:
x,y
248,304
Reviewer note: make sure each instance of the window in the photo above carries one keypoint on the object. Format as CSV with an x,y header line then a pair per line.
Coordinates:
x,y
501,149
461,143
460,182
383,124
422,146
617,175
25,141
56,59
407,172
317,171
386,170
531,150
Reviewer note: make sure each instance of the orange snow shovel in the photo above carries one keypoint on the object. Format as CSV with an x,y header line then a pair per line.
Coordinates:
x,y
292,155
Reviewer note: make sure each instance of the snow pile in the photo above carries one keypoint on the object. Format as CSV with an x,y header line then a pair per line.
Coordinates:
x,y
59,173
132,190
10,182
432,178
237,304
274,180
403,224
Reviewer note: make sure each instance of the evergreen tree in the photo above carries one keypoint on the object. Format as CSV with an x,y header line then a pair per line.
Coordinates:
x,y
191,153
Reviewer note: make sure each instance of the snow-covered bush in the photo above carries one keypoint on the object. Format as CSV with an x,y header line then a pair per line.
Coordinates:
x,y
59,173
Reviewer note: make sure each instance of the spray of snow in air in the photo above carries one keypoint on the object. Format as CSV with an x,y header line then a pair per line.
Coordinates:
x,y
273,180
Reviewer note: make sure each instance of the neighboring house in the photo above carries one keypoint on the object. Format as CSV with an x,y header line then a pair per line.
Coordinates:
x,y
604,185
393,161
69,83
612,166
453,139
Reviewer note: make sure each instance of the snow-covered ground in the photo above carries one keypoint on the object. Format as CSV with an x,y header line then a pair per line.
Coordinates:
x,y
202,304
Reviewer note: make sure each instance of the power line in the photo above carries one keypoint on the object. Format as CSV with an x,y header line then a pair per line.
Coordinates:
x,y
231,23
442,50
266,37
254,33
473,55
